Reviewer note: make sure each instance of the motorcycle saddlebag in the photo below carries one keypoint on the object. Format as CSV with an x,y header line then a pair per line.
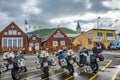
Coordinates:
x,y
99,50
101,57
92,58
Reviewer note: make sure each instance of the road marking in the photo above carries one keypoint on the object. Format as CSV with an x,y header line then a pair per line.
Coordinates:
x,y
69,77
57,74
92,78
78,73
73,76
31,70
114,76
39,74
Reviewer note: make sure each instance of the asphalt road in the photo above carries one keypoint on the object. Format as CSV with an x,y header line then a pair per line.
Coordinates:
x,y
109,70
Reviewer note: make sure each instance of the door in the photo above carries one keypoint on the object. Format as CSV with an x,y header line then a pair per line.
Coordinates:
x,y
37,46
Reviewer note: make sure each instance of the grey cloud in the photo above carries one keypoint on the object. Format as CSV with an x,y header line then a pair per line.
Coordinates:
x,y
97,6
50,9
58,8
11,7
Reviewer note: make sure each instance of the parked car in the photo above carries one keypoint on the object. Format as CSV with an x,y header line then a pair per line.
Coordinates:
x,y
114,45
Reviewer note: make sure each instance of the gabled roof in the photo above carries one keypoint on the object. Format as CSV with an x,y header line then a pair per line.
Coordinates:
x,y
53,33
12,23
50,35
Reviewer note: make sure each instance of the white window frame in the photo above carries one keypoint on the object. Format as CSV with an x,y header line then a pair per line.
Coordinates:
x,y
9,43
21,42
19,33
3,39
5,33
33,38
12,32
62,43
31,44
12,38
15,44
55,43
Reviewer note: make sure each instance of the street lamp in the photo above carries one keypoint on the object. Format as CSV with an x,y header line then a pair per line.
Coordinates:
x,y
98,28
98,22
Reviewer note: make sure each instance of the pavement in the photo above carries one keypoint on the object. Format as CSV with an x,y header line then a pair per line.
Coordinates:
x,y
108,70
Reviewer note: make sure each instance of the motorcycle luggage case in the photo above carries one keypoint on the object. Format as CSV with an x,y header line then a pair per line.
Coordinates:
x,y
101,57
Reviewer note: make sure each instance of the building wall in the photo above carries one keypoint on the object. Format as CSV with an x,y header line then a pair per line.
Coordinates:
x,y
49,41
22,35
92,36
34,41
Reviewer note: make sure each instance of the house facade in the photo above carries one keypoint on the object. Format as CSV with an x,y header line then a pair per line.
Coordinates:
x,y
34,43
57,40
12,38
102,36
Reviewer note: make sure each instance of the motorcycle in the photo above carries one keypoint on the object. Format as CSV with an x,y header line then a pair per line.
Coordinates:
x,y
45,63
15,70
8,56
22,66
3,67
18,66
67,63
91,62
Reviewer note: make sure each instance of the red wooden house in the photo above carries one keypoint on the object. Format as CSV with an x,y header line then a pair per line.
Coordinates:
x,y
12,38
34,43
56,40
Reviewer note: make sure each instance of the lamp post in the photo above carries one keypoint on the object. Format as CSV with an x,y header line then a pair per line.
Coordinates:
x,y
98,22
98,28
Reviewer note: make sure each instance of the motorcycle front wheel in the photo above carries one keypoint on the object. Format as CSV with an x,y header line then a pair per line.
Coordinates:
x,y
71,69
46,71
94,67
15,74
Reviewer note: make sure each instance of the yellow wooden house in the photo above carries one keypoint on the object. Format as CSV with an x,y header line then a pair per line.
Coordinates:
x,y
102,36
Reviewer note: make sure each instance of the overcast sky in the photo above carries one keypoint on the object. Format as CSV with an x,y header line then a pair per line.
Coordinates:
x,y
50,13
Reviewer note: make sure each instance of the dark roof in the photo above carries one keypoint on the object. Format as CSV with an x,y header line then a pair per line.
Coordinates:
x,y
103,29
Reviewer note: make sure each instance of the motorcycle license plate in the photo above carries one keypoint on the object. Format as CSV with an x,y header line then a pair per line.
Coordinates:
x,y
71,61
45,64
97,59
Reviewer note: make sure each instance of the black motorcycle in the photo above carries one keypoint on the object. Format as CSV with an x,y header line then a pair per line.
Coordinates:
x,y
70,64
45,66
91,61
15,70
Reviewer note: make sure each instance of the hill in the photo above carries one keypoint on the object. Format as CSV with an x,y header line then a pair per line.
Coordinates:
x,y
47,32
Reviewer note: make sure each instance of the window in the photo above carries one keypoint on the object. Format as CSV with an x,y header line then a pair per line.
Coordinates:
x,y
62,43
4,42
5,33
14,42
10,42
58,35
109,34
12,32
89,41
20,41
55,43
12,26
19,33
31,44
99,34
34,38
